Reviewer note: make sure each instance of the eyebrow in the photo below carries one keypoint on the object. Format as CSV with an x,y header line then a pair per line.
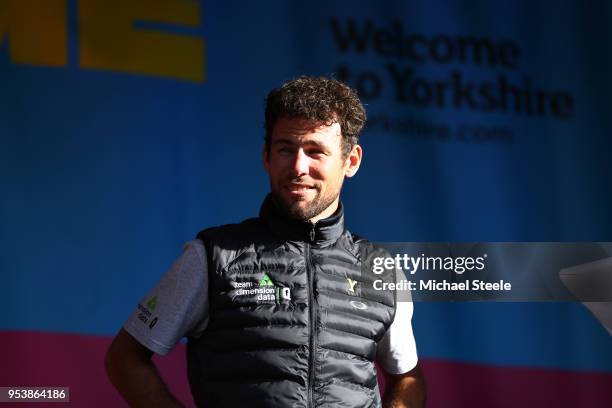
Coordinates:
x,y
290,142
283,141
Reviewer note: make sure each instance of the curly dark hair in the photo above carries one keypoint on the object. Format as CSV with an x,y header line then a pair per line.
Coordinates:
x,y
321,100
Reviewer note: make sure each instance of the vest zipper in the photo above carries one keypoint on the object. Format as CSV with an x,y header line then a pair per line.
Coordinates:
x,y
312,316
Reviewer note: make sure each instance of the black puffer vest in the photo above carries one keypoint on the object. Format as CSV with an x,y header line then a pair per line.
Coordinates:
x,y
294,319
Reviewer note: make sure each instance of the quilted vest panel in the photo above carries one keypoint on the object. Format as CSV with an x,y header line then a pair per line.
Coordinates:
x,y
293,323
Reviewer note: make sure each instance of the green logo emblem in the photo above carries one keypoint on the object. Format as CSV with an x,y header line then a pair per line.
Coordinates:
x,y
266,281
152,303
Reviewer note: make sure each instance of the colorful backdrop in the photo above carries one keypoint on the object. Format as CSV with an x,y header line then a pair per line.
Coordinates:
x,y
127,126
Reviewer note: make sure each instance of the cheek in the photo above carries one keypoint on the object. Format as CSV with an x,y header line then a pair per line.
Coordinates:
x,y
332,174
278,172
274,166
319,172
279,163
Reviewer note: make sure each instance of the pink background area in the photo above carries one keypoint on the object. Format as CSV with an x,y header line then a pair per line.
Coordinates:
x,y
76,361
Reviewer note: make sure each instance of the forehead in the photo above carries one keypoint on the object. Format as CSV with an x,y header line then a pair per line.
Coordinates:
x,y
299,130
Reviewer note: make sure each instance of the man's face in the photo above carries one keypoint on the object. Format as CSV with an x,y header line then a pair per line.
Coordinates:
x,y
307,168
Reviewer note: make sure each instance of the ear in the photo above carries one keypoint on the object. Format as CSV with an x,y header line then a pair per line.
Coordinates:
x,y
353,161
266,158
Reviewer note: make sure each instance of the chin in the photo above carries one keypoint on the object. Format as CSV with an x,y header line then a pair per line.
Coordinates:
x,y
302,208
299,210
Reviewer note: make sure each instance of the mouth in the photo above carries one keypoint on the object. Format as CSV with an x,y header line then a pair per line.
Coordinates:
x,y
298,188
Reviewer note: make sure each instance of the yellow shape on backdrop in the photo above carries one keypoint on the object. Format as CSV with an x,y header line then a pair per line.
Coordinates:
x,y
108,39
35,31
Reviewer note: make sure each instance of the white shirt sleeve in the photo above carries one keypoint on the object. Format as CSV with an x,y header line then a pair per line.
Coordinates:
x,y
397,351
177,306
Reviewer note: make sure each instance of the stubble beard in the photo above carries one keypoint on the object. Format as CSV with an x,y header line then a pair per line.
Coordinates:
x,y
305,212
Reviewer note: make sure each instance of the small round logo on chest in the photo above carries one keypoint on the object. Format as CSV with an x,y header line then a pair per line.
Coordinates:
x,y
358,305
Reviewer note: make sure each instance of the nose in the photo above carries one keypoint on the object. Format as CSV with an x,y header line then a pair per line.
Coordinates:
x,y
301,163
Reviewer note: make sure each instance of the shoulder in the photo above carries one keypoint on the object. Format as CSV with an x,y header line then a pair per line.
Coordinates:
x,y
231,232
365,249
231,236
369,255
225,243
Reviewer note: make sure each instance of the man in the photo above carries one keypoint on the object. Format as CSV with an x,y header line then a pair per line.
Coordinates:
x,y
279,310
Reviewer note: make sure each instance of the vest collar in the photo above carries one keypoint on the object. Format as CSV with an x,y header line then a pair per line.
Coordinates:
x,y
322,232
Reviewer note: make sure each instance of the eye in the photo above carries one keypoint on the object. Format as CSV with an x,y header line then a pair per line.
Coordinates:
x,y
284,150
315,152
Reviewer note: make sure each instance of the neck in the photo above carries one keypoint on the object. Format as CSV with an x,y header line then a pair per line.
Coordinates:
x,y
328,227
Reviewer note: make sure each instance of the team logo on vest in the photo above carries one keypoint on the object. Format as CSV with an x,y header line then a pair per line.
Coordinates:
x,y
265,291
351,285
266,281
